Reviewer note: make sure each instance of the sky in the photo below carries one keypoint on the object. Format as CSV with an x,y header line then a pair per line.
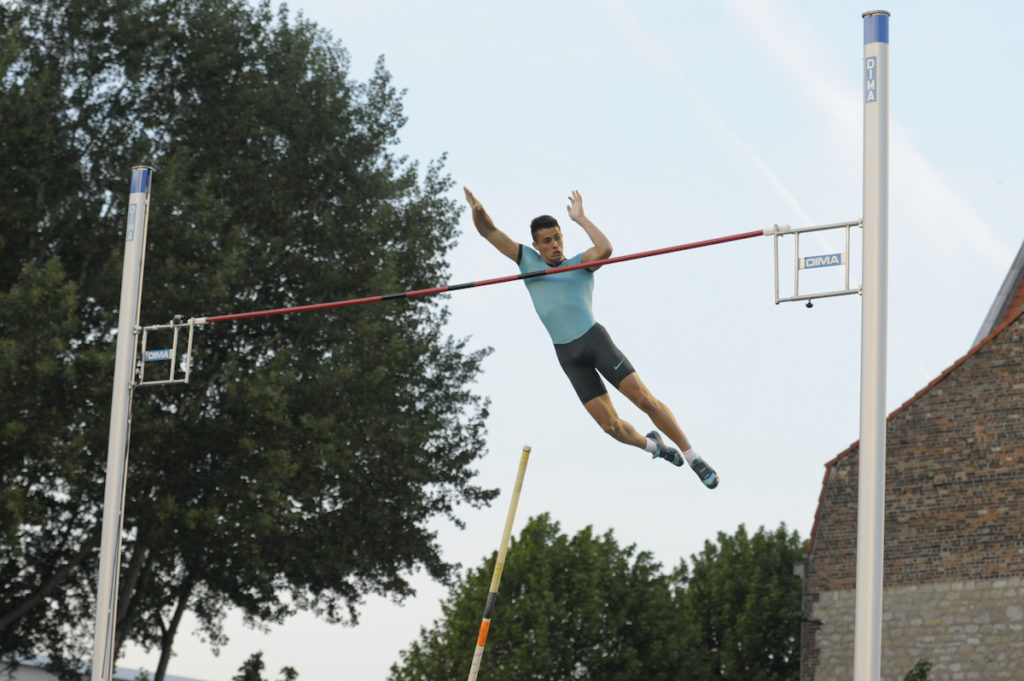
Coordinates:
x,y
678,122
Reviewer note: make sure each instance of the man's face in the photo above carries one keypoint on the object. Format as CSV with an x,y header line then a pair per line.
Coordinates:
x,y
549,244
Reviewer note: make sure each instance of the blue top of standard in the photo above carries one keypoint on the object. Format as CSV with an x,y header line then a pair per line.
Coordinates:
x,y
140,179
876,27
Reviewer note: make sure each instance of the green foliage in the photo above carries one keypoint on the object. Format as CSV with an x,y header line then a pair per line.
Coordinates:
x,y
742,606
568,607
252,670
303,465
919,672
47,482
586,608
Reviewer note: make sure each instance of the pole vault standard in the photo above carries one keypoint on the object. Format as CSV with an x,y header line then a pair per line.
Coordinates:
x,y
499,565
867,646
484,282
120,422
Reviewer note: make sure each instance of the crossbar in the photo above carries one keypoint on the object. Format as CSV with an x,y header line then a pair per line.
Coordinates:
x,y
484,282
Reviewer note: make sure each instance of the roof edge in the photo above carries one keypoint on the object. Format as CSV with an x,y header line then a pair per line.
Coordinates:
x,y
903,407
1012,284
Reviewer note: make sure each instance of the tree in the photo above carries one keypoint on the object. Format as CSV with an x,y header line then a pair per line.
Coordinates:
x,y
742,602
578,607
301,467
252,670
584,608
44,572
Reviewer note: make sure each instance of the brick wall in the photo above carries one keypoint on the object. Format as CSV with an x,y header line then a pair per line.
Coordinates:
x,y
954,511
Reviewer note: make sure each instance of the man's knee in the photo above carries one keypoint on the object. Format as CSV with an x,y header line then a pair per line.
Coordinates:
x,y
613,427
639,395
648,403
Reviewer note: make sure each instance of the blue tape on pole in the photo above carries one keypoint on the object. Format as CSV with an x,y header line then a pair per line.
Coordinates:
x,y
140,180
876,28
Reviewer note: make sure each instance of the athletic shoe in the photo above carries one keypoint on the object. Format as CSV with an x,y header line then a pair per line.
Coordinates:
x,y
705,472
670,454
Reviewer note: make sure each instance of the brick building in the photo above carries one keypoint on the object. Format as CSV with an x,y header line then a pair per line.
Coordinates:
x,y
954,533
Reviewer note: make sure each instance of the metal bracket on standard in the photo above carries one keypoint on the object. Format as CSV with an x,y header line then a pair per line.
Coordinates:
x,y
169,334
813,261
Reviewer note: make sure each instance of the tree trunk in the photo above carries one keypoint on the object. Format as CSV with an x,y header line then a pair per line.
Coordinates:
x,y
126,599
167,638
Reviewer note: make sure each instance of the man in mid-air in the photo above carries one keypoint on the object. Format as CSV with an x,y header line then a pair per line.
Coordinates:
x,y
563,302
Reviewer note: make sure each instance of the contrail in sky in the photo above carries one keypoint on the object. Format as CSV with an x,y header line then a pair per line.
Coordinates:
x,y
944,219
935,210
641,40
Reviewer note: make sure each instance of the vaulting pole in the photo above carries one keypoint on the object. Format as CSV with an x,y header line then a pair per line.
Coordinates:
x,y
485,282
120,423
867,653
499,565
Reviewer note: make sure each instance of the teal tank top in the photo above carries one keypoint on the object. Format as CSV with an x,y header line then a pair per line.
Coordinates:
x,y
563,300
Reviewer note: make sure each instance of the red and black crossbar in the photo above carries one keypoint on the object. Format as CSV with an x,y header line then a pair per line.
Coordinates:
x,y
483,282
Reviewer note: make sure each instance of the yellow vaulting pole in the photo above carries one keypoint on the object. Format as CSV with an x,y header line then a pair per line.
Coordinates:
x,y
492,594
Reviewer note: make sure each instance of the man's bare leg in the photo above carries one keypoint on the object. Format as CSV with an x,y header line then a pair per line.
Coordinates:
x,y
662,417
603,411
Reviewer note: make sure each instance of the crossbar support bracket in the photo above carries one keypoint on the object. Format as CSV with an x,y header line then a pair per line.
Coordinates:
x,y
802,263
179,360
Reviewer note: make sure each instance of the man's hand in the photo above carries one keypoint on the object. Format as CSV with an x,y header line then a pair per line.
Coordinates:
x,y
473,202
480,217
575,206
476,207
602,248
483,223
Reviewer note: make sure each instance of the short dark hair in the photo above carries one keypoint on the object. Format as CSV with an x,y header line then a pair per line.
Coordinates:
x,y
542,222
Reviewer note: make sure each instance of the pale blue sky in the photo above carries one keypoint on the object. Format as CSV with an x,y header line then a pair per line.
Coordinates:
x,y
681,121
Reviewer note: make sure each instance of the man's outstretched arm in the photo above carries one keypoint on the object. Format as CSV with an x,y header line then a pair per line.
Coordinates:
x,y
487,230
602,247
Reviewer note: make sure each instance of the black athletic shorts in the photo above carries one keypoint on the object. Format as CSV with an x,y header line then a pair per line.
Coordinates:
x,y
582,358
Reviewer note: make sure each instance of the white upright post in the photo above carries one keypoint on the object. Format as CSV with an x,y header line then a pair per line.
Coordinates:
x,y
120,423
867,651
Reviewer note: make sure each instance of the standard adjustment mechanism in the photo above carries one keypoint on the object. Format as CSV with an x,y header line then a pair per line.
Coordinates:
x,y
813,262
167,338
